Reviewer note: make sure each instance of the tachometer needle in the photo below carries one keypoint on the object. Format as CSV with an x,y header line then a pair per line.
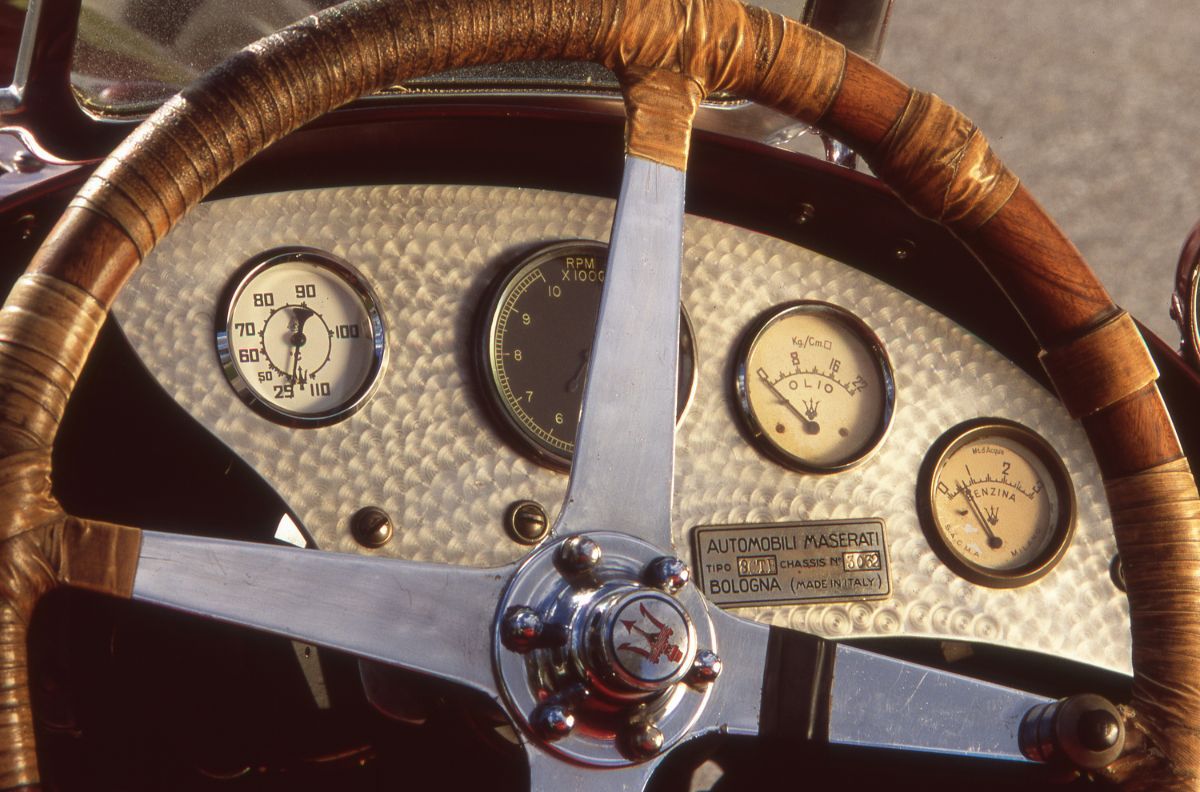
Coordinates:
x,y
993,541
576,382
810,427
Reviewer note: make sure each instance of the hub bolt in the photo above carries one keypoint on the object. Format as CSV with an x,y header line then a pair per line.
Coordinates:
x,y
668,574
706,668
521,629
579,554
552,721
645,740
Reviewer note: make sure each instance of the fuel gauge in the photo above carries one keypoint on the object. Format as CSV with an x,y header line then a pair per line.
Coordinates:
x,y
996,502
815,387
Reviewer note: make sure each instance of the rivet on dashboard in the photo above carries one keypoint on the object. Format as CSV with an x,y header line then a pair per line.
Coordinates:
x,y
805,213
527,522
371,527
904,250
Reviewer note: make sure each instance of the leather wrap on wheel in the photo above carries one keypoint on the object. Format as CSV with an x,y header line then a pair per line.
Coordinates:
x,y
669,53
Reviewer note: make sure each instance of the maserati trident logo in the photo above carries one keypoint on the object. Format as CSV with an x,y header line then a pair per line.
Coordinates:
x,y
657,644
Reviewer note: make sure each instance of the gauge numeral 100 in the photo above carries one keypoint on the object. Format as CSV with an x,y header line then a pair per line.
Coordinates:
x,y
347,331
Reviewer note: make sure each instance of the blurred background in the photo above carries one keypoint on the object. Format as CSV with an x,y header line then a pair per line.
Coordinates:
x,y
1096,106
1093,103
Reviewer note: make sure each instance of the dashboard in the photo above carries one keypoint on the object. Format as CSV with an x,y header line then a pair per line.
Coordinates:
x,y
427,447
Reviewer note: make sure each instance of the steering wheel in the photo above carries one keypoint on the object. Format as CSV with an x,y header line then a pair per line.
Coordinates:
x,y
543,637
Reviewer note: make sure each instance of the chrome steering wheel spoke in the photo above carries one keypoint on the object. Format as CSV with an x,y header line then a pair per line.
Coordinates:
x,y
430,618
623,469
548,772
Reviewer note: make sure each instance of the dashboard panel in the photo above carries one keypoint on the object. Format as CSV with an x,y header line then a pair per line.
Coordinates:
x,y
427,451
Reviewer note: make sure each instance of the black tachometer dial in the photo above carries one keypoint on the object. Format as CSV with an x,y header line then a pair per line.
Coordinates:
x,y
537,341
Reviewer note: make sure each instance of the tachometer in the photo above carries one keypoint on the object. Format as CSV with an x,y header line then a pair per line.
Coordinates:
x,y
996,502
536,344
815,386
300,337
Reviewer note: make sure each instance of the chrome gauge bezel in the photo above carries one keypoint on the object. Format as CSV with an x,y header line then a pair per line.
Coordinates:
x,y
1032,442
865,335
519,434
348,275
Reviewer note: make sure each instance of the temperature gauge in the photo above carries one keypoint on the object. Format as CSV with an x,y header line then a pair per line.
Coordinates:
x,y
301,339
815,387
996,503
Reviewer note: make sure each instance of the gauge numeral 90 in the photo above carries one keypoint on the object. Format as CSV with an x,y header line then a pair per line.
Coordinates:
x,y
301,340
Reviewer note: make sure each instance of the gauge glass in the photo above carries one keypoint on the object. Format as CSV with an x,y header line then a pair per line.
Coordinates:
x,y
302,340
536,344
815,387
996,502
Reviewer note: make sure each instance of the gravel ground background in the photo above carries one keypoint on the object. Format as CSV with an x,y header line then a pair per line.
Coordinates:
x,y
1095,105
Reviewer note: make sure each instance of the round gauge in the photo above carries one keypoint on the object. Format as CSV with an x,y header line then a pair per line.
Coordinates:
x,y
536,343
996,502
300,337
815,386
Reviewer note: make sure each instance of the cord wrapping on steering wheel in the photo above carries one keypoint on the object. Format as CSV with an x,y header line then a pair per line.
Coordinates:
x,y
934,157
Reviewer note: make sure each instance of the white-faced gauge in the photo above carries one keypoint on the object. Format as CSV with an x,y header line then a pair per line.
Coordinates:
x,y
996,502
815,386
536,334
300,337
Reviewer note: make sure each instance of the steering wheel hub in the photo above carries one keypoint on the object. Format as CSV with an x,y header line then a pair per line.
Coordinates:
x,y
598,661
644,640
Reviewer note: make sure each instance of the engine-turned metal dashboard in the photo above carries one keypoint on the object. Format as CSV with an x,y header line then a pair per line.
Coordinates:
x,y
426,449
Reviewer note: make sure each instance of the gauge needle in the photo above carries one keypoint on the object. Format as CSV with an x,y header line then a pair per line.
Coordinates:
x,y
994,542
577,381
810,427
297,339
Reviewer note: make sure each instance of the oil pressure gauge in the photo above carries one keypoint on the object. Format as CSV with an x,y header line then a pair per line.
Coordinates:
x,y
300,337
996,502
815,387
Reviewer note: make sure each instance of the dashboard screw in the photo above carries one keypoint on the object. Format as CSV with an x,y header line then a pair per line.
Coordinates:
x,y
904,250
1117,571
645,740
527,522
25,226
579,554
805,213
552,721
371,527
521,628
668,574
706,668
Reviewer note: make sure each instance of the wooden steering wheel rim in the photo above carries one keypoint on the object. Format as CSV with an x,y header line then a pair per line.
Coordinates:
x,y
669,55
